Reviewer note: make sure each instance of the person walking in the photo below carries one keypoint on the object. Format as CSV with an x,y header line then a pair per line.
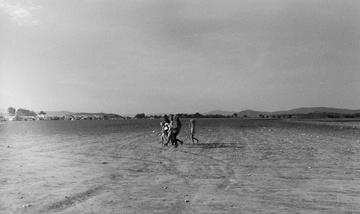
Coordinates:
x,y
175,127
192,131
164,129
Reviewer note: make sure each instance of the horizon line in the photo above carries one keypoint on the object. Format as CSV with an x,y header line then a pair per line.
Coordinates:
x,y
200,112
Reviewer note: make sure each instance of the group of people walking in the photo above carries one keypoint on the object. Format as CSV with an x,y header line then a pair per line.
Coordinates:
x,y
170,129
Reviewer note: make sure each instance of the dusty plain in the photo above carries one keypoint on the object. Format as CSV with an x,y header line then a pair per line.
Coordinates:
x,y
239,166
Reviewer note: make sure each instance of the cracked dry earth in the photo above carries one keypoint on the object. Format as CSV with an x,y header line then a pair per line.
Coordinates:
x,y
239,166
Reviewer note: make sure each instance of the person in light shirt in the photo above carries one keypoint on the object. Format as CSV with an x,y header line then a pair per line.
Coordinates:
x,y
192,131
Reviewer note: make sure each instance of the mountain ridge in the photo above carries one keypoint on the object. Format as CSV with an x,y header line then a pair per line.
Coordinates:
x,y
300,110
304,110
219,112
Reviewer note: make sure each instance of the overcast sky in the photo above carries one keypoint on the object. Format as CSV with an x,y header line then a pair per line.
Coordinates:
x,y
130,56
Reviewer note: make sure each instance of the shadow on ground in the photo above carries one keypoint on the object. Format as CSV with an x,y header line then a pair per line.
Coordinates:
x,y
215,145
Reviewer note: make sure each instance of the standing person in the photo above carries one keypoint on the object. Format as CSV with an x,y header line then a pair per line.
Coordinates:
x,y
164,129
175,127
170,130
192,131
177,130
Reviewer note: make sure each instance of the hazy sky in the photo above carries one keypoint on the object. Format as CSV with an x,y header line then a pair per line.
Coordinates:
x,y
129,56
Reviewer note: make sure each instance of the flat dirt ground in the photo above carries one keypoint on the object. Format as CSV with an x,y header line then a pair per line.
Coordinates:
x,y
239,166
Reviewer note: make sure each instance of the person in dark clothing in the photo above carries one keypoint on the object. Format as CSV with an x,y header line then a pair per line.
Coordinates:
x,y
175,127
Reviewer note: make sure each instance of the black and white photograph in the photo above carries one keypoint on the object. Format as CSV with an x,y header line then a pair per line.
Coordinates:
x,y
180,106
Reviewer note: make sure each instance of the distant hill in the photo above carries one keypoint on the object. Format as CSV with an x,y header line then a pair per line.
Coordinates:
x,y
98,114
308,110
295,111
219,112
58,113
251,113
68,113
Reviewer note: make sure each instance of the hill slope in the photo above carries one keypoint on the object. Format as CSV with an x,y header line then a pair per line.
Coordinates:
x,y
219,112
307,110
58,113
251,113
303,110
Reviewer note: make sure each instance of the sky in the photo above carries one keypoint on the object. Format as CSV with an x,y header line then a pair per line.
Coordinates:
x,y
161,56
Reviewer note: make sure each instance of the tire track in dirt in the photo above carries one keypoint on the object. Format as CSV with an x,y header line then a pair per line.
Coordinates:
x,y
129,143
73,200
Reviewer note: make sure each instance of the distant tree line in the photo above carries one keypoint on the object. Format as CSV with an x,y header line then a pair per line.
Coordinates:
x,y
21,112
317,115
11,110
25,114
183,115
